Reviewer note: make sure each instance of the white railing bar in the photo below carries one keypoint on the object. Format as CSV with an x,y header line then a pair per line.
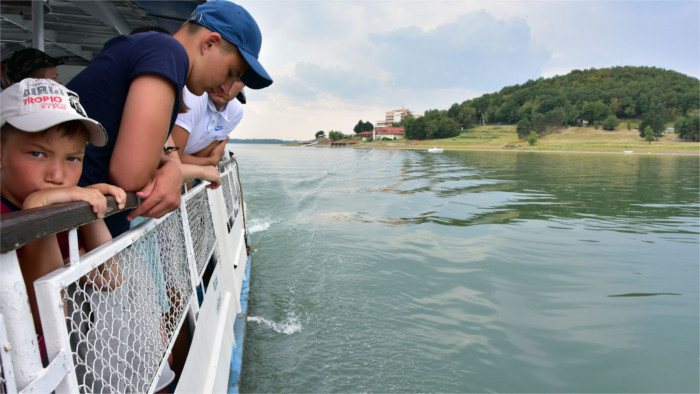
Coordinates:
x,y
52,375
53,324
18,321
7,371
73,249
189,246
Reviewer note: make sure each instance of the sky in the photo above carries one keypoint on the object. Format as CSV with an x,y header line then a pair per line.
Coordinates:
x,y
335,63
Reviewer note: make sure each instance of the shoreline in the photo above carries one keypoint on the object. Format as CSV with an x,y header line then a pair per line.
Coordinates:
x,y
408,147
582,140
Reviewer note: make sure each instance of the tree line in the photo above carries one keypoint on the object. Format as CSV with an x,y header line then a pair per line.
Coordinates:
x,y
601,97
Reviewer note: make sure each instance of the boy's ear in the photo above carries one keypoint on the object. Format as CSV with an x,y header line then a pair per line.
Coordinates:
x,y
210,40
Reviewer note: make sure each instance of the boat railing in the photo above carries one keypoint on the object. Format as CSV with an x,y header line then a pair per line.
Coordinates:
x,y
111,316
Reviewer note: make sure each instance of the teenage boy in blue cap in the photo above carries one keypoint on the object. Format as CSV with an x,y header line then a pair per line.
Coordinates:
x,y
133,89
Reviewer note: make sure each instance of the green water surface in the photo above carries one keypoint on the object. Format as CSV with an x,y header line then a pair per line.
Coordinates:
x,y
404,271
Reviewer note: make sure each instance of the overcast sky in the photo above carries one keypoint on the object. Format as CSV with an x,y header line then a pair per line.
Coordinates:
x,y
337,62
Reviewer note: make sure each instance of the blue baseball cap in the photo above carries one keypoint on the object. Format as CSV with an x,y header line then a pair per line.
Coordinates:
x,y
239,28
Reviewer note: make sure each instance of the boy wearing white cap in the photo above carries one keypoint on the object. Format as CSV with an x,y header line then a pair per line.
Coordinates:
x,y
44,131
133,89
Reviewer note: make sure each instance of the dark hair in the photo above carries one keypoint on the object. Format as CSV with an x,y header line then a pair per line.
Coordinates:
x,y
26,61
144,29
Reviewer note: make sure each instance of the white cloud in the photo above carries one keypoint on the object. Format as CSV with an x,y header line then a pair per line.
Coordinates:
x,y
478,51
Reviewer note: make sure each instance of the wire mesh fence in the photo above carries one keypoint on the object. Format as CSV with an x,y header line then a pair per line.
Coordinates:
x,y
122,316
201,227
226,182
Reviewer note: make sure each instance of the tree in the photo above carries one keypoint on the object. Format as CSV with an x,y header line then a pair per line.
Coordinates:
x,y
413,128
655,117
433,124
611,122
335,135
547,123
453,112
595,112
532,138
649,134
363,126
615,107
320,134
688,128
431,128
508,111
538,123
408,120
447,127
466,116
523,128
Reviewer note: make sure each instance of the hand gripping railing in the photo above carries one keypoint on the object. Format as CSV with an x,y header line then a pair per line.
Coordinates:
x,y
111,316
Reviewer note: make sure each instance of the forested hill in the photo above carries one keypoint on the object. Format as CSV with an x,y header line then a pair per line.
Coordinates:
x,y
548,104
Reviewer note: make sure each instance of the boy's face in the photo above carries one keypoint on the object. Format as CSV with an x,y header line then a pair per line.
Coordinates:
x,y
223,97
37,161
222,68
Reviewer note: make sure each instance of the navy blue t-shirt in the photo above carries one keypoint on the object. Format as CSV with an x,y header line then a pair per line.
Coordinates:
x,y
104,85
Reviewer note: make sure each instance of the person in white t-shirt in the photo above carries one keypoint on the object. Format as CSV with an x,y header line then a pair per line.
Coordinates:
x,y
202,132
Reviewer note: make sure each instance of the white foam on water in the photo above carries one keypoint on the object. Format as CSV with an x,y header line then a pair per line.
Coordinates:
x,y
289,326
258,225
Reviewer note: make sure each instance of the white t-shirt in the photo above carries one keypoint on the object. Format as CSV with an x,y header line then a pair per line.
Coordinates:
x,y
204,123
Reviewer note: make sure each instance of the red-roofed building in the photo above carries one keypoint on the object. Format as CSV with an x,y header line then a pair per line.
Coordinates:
x,y
392,133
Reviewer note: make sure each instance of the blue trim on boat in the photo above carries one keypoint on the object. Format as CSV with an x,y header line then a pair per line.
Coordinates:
x,y
234,378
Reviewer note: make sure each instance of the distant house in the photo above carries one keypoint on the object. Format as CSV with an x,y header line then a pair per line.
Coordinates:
x,y
365,135
392,133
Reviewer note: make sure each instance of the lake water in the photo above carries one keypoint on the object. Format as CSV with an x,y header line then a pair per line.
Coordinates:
x,y
396,271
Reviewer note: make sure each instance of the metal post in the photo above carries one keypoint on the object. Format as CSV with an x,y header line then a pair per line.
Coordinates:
x,y
38,24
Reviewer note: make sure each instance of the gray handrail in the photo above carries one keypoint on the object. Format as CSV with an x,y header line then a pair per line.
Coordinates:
x,y
21,227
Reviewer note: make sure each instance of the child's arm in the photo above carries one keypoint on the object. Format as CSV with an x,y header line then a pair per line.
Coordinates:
x,y
214,152
207,173
137,162
211,155
44,197
106,189
192,171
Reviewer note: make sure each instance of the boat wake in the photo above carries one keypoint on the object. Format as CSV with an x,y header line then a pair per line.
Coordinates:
x,y
256,226
288,327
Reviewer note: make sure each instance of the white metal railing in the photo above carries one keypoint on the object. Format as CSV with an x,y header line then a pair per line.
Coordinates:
x,y
111,316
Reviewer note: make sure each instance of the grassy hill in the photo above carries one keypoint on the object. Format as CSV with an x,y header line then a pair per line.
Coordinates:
x,y
652,96
572,139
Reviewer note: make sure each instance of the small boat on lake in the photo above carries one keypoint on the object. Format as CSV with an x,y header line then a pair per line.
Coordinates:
x,y
435,149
